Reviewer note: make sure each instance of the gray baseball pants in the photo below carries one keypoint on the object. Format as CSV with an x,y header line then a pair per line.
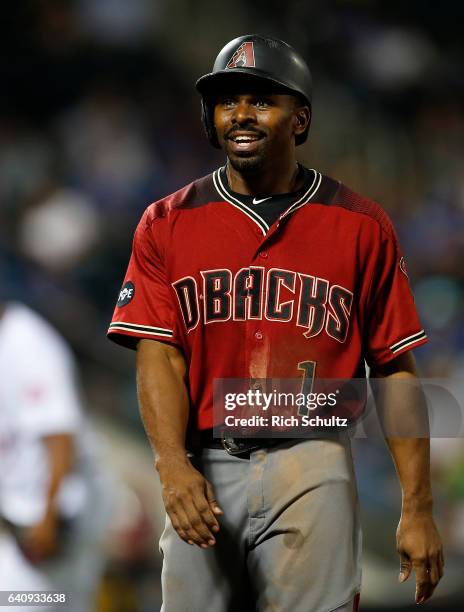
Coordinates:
x,y
290,539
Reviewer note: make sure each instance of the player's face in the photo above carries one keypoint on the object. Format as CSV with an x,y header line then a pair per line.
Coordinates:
x,y
254,128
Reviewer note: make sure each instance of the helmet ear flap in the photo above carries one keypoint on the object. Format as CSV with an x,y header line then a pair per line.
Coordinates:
x,y
207,118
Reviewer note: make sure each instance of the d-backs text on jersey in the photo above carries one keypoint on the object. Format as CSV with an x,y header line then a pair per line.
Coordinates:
x,y
309,302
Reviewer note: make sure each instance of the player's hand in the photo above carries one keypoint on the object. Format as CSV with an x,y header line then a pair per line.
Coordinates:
x,y
40,542
419,546
189,501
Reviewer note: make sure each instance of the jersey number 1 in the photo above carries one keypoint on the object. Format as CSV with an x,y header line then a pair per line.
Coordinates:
x,y
309,371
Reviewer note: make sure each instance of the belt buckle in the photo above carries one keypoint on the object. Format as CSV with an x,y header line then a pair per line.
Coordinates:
x,y
234,446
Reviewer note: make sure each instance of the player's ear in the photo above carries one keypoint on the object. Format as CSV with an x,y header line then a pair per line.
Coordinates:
x,y
302,117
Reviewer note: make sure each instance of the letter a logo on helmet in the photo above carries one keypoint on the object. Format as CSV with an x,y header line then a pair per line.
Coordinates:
x,y
244,57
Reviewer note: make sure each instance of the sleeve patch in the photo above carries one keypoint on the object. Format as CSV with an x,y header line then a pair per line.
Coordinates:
x,y
403,269
126,294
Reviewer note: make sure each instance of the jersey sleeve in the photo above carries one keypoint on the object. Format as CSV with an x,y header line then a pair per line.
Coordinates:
x,y
394,325
145,308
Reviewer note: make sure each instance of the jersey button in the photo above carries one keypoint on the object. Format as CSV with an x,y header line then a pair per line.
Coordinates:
x,y
258,335
264,254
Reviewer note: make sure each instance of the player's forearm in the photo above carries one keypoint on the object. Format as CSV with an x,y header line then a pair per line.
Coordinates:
x,y
403,411
163,398
412,461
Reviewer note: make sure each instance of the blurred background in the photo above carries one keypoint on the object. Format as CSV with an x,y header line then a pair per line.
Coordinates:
x,y
99,117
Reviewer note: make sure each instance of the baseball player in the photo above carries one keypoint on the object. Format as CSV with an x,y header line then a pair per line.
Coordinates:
x,y
267,269
54,500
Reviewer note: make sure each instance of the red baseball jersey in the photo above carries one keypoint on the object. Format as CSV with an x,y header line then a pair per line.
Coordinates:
x,y
326,283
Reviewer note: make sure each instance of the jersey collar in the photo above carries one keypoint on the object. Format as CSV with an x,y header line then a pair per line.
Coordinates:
x,y
313,185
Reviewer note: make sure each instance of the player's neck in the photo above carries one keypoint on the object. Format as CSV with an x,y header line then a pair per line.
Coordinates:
x,y
285,180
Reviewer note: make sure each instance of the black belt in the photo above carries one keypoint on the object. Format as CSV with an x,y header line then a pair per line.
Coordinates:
x,y
237,446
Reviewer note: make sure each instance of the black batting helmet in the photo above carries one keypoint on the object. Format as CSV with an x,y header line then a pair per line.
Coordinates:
x,y
256,57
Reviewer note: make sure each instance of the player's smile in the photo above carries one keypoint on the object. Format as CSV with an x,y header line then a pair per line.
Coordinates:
x,y
247,141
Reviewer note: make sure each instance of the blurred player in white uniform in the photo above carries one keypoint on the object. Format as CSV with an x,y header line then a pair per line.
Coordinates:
x,y
54,499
